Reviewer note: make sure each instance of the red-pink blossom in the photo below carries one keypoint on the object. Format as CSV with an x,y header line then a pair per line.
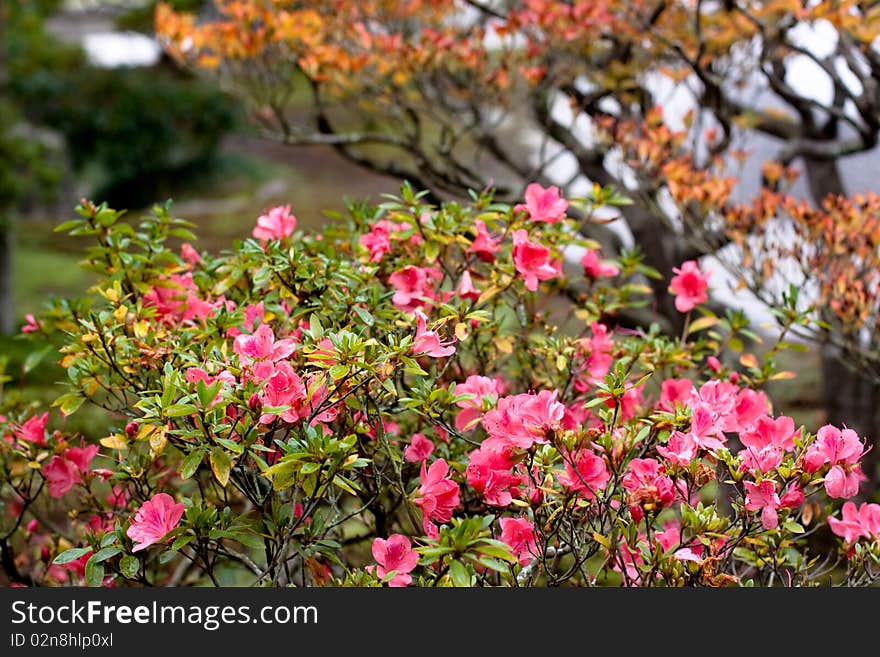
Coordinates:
x,y
153,520
681,449
532,260
842,449
525,419
482,390
61,475
856,523
276,224
484,245
419,448
437,496
763,497
585,473
283,388
395,555
519,534
414,287
31,325
378,240
543,205
81,456
428,343
674,391
466,289
33,430
595,268
766,442
689,285
489,472
189,255
647,486
175,299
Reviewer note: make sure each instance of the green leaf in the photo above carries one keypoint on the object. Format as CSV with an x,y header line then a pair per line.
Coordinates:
x,y
35,357
191,463
365,316
459,574
793,527
70,555
179,410
221,465
94,572
165,557
180,541
69,402
129,566
701,324
104,554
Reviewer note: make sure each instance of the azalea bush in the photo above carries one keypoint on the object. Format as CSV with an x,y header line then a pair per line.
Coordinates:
x,y
420,394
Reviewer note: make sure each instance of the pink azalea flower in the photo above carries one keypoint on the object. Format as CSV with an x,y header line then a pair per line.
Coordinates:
x,y
519,534
705,430
681,449
276,224
544,205
748,407
175,299
283,388
428,343
419,448
763,497
33,430
595,268
489,472
851,527
792,498
395,555
483,390
414,287
189,254
690,286
261,349
766,442
466,289
600,347
378,240
81,456
31,325
437,496
842,449
153,520
61,475
647,486
525,419
532,260
484,245
674,391
587,475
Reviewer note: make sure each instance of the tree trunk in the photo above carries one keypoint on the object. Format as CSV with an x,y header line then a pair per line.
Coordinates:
x,y
7,306
852,400
848,397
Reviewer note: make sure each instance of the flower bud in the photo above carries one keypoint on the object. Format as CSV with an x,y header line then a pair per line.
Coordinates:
x,y
131,429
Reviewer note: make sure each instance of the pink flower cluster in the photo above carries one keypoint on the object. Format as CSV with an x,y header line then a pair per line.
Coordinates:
x,y
63,471
516,424
857,522
437,496
275,224
379,240
154,520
